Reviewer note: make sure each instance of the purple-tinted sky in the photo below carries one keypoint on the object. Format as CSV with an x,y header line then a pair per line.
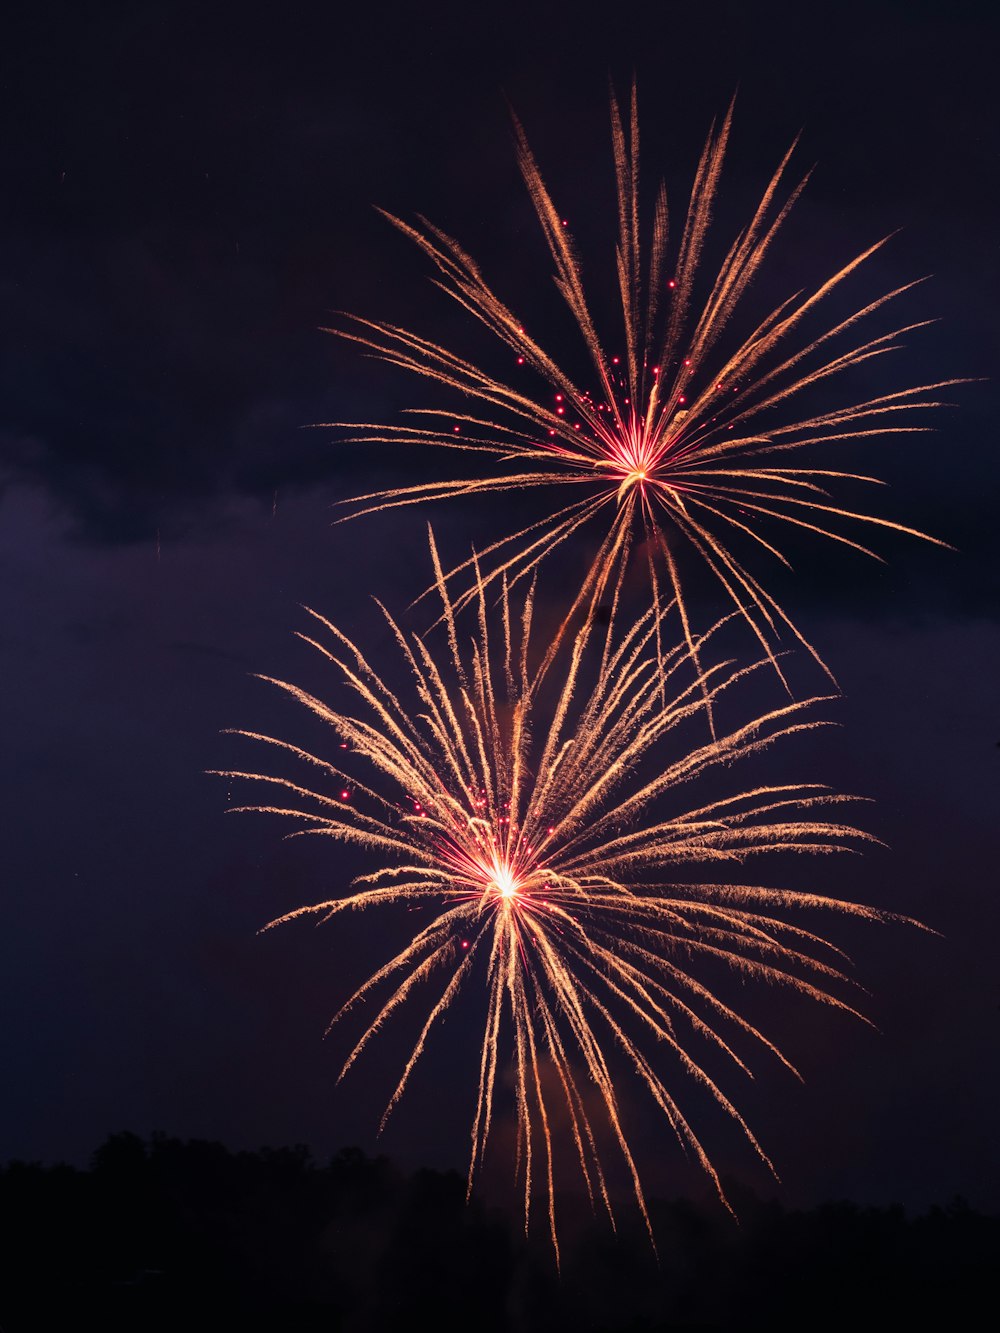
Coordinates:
x,y
185,200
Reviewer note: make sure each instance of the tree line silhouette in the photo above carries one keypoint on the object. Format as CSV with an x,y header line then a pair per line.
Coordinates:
x,y
164,1234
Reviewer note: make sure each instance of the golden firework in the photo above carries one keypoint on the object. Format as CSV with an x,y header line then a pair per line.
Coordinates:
x,y
693,431
553,833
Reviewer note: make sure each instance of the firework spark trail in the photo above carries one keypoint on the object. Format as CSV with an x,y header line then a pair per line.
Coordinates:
x,y
522,825
677,438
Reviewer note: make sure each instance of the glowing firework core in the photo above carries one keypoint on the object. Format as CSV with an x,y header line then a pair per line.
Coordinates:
x,y
633,453
490,863
504,881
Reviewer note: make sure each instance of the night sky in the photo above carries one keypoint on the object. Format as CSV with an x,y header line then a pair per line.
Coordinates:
x,y
187,195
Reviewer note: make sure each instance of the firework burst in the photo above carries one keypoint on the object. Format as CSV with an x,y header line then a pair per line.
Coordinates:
x,y
528,823
681,435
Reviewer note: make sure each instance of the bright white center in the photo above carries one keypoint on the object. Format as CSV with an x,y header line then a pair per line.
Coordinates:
x,y
505,882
